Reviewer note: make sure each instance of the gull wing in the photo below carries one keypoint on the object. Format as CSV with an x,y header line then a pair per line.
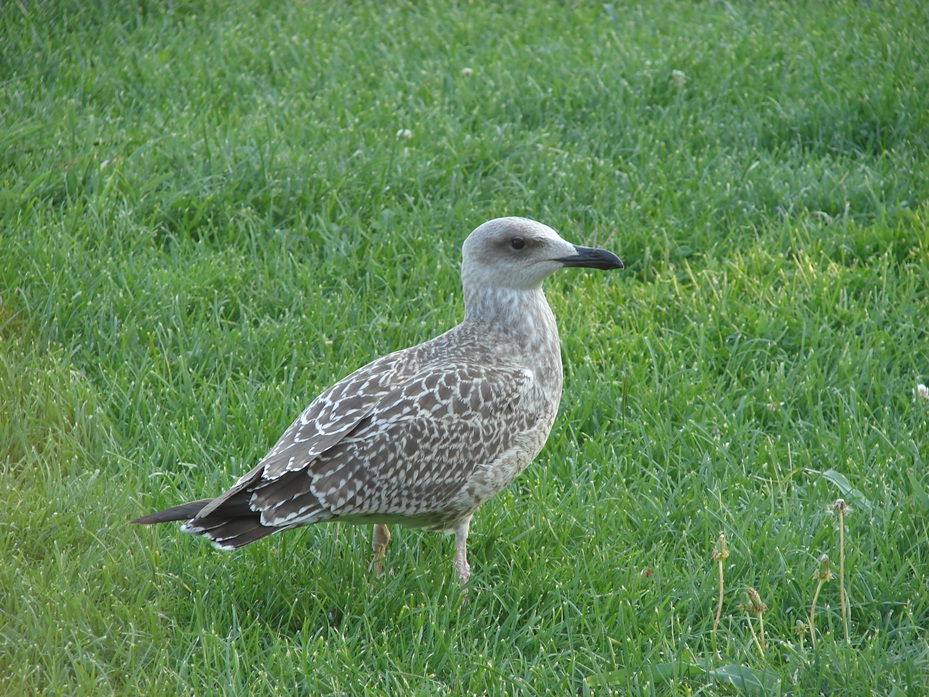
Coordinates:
x,y
404,458
326,421
413,454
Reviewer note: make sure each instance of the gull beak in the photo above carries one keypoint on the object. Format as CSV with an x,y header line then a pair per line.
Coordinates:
x,y
592,258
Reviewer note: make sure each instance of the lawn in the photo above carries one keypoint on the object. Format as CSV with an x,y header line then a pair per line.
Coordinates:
x,y
210,211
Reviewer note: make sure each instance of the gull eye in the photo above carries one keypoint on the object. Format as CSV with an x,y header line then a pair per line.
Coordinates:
x,y
517,243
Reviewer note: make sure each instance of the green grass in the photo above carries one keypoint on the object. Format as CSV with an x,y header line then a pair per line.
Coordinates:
x,y
207,216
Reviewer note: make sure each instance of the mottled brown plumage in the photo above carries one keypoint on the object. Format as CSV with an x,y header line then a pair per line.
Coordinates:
x,y
425,435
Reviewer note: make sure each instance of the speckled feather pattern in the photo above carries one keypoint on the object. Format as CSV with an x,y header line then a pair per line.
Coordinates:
x,y
422,436
425,435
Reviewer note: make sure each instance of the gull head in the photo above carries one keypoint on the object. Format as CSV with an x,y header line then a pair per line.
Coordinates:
x,y
518,254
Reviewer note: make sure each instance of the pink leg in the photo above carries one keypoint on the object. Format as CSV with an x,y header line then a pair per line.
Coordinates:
x,y
461,551
379,543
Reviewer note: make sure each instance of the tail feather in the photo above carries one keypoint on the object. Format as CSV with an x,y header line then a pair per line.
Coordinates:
x,y
233,524
231,533
185,511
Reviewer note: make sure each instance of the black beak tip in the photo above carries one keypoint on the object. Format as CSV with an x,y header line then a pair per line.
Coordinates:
x,y
592,258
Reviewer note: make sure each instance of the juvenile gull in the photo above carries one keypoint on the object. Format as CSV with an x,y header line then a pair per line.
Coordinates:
x,y
425,435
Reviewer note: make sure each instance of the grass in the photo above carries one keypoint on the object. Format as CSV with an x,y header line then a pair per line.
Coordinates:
x,y
210,211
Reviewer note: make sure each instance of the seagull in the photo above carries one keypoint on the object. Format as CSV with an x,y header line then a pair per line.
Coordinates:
x,y
423,436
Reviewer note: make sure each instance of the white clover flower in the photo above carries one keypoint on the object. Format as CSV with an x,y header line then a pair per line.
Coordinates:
x,y
678,78
467,72
922,391
405,133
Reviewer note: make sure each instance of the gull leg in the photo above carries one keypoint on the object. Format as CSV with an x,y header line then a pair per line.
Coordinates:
x,y
379,543
461,551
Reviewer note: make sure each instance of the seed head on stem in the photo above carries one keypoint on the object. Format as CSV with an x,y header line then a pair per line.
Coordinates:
x,y
720,552
841,508
822,574
754,606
